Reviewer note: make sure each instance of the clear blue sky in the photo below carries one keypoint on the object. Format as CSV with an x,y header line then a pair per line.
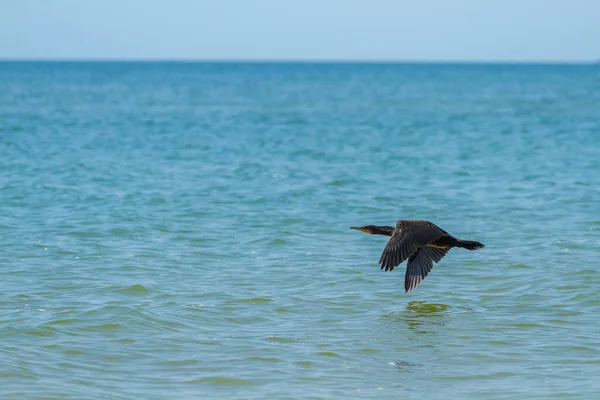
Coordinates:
x,y
450,30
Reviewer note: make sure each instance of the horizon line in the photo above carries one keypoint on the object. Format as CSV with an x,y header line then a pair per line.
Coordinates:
x,y
295,61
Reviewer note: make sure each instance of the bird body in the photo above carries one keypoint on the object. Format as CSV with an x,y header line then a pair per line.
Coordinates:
x,y
421,242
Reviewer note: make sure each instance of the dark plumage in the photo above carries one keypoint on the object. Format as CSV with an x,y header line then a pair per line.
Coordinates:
x,y
421,242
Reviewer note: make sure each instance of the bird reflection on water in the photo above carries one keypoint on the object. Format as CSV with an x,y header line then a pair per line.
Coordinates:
x,y
419,325
420,317
422,309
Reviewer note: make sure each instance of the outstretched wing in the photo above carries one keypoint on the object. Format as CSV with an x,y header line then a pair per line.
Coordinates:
x,y
419,265
407,238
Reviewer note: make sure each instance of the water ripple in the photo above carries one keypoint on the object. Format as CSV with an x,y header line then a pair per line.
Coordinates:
x,y
182,230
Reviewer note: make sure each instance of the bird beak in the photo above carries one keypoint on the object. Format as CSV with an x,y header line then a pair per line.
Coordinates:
x,y
357,228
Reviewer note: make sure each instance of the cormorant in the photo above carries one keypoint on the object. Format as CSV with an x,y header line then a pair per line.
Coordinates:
x,y
421,242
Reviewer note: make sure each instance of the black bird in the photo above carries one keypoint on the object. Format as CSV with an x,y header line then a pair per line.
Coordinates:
x,y
421,242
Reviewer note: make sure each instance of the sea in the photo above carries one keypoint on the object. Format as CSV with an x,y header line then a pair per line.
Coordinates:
x,y
180,230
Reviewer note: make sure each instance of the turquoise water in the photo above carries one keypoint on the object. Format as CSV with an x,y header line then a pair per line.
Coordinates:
x,y
181,230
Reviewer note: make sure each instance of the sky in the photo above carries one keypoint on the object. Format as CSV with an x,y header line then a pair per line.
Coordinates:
x,y
337,30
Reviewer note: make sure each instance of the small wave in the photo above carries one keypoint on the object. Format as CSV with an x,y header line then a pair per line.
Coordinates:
x,y
327,354
265,359
223,380
134,290
337,182
252,300
277,242
280,339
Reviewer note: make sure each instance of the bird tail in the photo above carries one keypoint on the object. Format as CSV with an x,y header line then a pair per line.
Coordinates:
x,y
469,244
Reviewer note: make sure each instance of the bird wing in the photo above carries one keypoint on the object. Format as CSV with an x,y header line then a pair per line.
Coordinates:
x,y
419,265
407,238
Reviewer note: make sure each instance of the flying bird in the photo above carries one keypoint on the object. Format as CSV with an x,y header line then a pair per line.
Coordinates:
x,y
421,242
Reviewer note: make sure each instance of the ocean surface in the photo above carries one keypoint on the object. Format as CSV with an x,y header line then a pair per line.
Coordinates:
x,y
181,230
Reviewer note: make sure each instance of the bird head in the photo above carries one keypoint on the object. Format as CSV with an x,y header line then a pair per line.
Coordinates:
x,y
366,229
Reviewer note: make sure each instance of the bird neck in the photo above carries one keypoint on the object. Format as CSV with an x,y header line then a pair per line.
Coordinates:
x,y
383,230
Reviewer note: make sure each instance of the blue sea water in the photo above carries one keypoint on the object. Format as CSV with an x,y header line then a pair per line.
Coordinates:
x,y
181,230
